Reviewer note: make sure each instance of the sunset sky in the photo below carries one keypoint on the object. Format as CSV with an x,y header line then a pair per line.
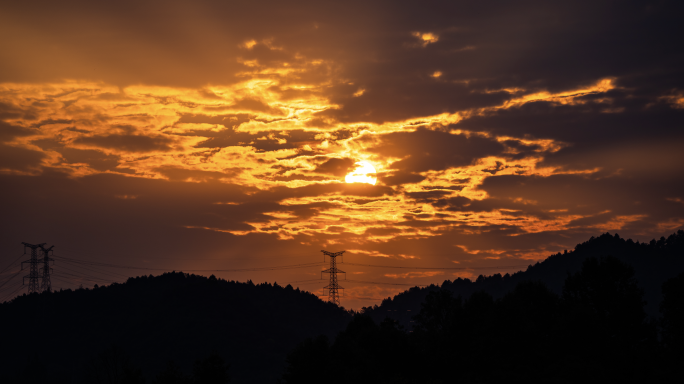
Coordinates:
x,y
215,135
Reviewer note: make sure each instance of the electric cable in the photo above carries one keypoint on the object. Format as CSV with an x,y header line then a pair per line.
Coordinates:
x,y
114,274
11,294
459,268
10,264
11,277
377,282
252,269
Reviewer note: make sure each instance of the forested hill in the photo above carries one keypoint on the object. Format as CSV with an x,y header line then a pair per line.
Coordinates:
x,y
174,316
653,263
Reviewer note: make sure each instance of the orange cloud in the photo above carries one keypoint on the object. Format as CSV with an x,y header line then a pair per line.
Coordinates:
x,y
251,134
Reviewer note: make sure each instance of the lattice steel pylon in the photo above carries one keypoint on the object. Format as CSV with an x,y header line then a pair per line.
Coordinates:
x,y
33,276
333,287
46,285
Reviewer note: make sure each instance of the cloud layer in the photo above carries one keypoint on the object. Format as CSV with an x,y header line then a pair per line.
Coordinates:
x,y
499,131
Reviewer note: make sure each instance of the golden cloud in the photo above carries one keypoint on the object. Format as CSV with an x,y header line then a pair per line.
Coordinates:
x,y
262,134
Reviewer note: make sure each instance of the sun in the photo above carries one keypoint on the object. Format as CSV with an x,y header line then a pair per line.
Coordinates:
x,y
363,173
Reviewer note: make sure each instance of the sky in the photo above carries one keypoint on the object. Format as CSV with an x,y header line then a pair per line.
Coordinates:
x,y
209,136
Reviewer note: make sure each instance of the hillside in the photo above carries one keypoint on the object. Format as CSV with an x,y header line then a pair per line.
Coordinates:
x,y
174,316
595,332
653,262
182,317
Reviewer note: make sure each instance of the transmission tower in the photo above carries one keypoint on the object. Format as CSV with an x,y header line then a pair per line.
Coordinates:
x,y
34,285
46,286
333,287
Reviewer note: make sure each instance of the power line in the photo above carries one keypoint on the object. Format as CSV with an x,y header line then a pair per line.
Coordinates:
x,y
365,298
92,270
210,259
459,268
80,279
11,277
252,269
19,287
302,281
13,285
377,282
10,264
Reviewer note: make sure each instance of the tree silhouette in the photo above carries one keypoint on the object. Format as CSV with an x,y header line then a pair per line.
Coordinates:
x,y
596,331
307,363
439,314
172,375
113,366
604,320
672,308
173,316
35,372
211,370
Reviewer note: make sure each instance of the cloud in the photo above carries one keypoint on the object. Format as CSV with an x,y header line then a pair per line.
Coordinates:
x,y
19,159
336,166
250,104
128,143
94,159
9,132
424,149
181,174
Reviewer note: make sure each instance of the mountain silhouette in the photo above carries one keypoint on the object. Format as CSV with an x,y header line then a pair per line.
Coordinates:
x,y
151,321
653,262
595,331
592,307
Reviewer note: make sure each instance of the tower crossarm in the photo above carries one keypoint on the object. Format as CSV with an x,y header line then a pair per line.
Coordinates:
x,y
330,270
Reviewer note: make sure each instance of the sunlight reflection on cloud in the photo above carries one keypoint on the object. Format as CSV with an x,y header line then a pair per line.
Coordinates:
x,y
267,142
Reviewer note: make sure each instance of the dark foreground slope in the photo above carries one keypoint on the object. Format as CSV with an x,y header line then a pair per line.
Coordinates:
x,y
595,332
174,316
653,263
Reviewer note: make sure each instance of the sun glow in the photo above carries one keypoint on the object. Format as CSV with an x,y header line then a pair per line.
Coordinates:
x,y
363,173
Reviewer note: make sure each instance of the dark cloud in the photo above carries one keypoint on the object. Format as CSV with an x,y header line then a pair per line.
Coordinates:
x,y
130,215
600,218
182,174
336,166
586,195
623,118
427,196
226,120
295,176
53,121
534,44
261,140
256,105
10,111
425,149
456,203
94,159
128,143
8,132
399,178
353,189
634,157
422,97
19,159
